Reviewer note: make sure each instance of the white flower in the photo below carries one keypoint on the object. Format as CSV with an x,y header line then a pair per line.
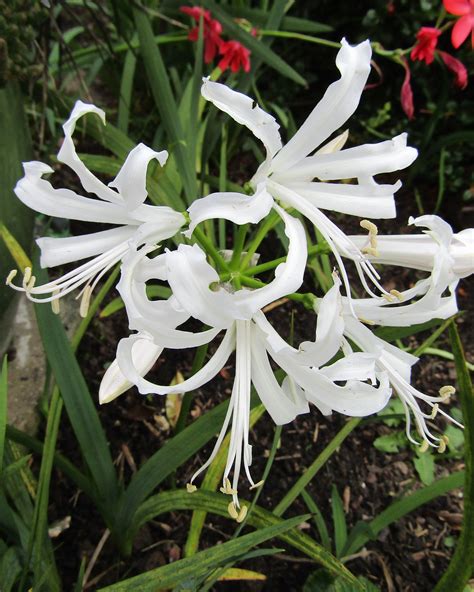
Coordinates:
x,y
419,251
197,293
120,203
399,308
288,172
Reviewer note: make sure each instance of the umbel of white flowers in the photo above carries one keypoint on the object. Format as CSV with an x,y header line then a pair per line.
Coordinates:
x,y
307,175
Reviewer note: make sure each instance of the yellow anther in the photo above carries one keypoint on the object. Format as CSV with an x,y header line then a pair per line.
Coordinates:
x,y
369,226
55,303
243,512
190,488
445,392
227,488
387,297
11,276
434,411
424,447
372,250
366,321
85,301
26,277
443,444
257,485
398,295
233,511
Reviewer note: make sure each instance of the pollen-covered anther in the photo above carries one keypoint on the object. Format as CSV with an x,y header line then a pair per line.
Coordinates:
x,y
242,514
233,513
366,321
55,307
26,277
227,488
85,301
398,295
31,284
11,276
424,447
257,485
372,250
434,411
443,444
445,393
190,488
387,297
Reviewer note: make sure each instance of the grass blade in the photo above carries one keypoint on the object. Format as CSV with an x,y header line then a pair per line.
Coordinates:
x,y
3,408
339,521
461,566
318,519
193,568
126,88
217,503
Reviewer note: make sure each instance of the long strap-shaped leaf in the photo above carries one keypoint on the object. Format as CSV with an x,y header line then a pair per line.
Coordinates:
x,y
164,100
259,518
81,410
462,564
192,569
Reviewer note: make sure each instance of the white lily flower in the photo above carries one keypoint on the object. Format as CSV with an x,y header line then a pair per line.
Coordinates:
x,y
120,203
419,251
396,310
288,172
197,293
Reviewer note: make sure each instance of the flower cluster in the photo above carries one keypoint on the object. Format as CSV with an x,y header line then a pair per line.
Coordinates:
x,y
425,49
347,368
233,54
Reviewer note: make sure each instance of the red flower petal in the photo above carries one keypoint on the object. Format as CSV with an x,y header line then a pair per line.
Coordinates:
x,y
406,93
461,30
457,67
457,7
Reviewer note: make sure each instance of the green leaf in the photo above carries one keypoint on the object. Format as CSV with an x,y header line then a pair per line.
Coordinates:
x,y
217,503
14,248
257,48
164,100
460,568
425,466
117,303
318,519
393,408
3,407
81,410
339,521
10,569
259,18
391,443
393,333
126,88
456,437
193,568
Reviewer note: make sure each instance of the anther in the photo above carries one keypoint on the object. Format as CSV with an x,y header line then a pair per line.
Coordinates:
x,y
366,321
26,277
31,283
372,250
434,411
398,295
233,511
227,488
445,393
55,303
443,443
424,447
190,488
257,485
242,514
369,226
11,276
85,301
387,297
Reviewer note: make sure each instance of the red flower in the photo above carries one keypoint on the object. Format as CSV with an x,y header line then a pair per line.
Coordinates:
x,y
212,30
457,67
406,94
424,50
465,24
234,56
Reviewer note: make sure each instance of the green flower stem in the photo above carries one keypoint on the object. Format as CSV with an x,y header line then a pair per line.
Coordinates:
x,y
301,37
211,250
239,241
262,232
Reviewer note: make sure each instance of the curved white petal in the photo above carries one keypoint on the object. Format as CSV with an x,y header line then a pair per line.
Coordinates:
x,y
207,372
236,207
462,251
356,366
338,103
131,179
190,277
67,154
144,355
246,112
281,407
366,200
329,330
58,251
38,194
288,275
358,162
